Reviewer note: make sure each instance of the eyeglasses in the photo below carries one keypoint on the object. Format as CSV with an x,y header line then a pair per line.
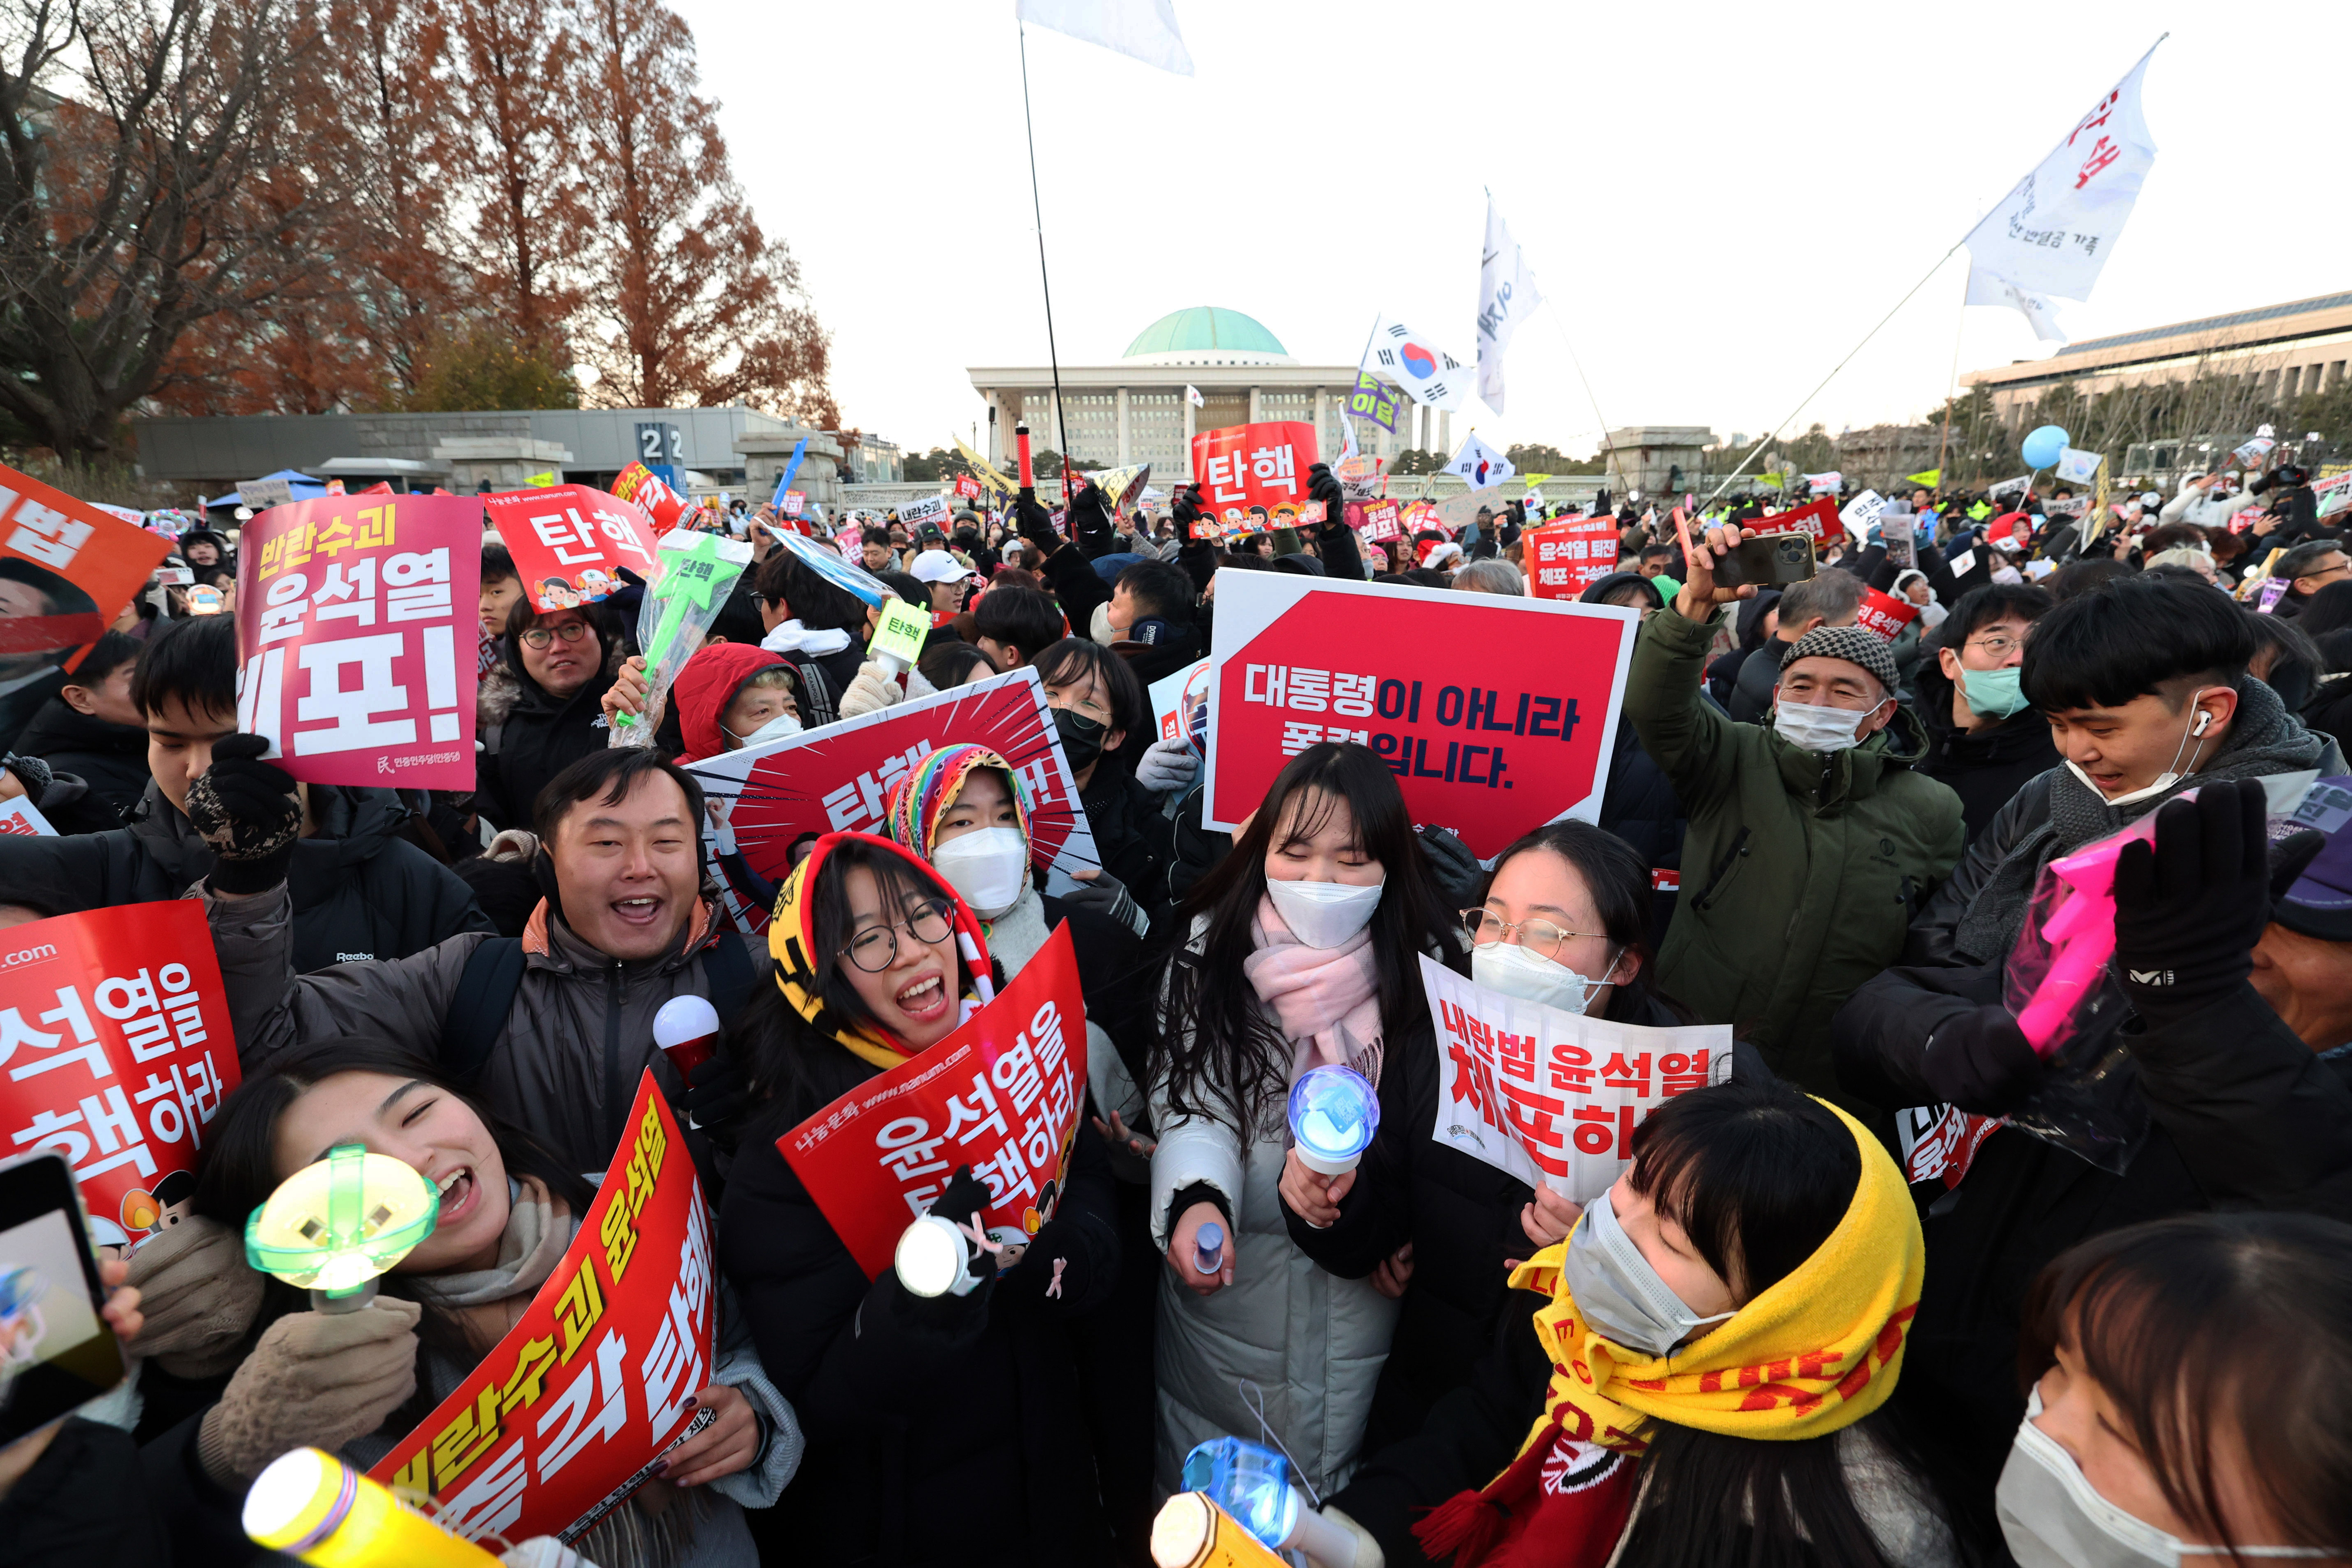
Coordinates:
x,y
1999,647
1486,929
876,950
569,631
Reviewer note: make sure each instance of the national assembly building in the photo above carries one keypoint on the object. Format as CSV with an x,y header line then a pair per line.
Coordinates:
x,y
1137,410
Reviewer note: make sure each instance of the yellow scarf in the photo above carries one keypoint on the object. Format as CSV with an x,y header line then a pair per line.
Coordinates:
x,y
1816,1352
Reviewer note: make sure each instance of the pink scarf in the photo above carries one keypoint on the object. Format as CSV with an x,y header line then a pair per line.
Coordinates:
x,y
1325,999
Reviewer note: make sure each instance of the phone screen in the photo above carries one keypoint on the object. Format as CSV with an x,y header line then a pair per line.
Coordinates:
x,y
56,1353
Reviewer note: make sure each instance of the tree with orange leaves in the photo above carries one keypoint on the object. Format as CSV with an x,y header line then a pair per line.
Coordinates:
x,y
690,304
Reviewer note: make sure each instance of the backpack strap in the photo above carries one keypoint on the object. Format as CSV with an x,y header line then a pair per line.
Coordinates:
x,y
478,1011
729,969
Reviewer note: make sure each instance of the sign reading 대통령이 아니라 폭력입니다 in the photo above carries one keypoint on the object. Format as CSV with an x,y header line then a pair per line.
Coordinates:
x,y
1497,713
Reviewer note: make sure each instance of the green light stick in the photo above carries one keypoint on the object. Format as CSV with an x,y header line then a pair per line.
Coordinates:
x,y
334,1225
699,570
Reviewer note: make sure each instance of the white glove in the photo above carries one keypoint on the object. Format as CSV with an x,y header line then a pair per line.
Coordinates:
x,y
873,690
1167,765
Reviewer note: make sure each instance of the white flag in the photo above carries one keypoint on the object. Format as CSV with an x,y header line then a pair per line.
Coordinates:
x,y
2052,234
1428,374
2077,466
1480,464
1506,297
1823,483
1984,288
1142,29
1193,395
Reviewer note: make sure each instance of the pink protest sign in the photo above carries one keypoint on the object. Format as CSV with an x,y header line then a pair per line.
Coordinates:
x,y
349,615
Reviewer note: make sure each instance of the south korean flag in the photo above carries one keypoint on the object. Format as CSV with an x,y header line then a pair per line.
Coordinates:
x,y
1428,374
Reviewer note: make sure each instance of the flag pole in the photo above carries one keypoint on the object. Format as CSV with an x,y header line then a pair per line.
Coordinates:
x,y
1037,207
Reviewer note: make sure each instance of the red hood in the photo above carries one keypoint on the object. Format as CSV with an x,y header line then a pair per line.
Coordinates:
x,y
705,687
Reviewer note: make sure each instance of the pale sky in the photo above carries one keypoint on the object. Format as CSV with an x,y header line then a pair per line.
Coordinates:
x,y
1718,201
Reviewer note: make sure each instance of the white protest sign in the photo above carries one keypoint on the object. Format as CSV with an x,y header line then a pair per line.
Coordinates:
x,y
263,493
1862,512
1554,1096
1963,563
930,509
1824,484
19,818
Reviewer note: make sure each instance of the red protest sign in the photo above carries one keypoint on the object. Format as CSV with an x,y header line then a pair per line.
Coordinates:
x,y
966,486
566,1416
645,490
1255,475
1000,1094
836,778
1565,559
349,611
77,566
116,1039
1885,614
1377,521
570,542
1497,713
1818,520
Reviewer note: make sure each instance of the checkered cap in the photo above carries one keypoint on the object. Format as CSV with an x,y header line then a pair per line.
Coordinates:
x,y
1853,644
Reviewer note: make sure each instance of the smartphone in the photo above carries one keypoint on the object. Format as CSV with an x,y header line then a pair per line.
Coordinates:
x,y
56,1352
1768,563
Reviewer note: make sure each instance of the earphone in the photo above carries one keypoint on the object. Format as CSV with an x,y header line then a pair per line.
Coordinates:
x,y
2203,720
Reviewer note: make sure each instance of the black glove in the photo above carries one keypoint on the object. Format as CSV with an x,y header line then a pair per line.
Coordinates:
x,y
1981,1063
246,810
715,1098
965,1197
1035,523
1187,510
1106,894
1457,871
2190,908
1090,522
1323,486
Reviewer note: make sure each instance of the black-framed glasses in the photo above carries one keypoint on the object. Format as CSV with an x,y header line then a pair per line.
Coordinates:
x,y
2000,645
569,631
877,949
1484,929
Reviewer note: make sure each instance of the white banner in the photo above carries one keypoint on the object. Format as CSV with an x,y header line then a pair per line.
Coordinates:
x,y
2054,230
1984,288
1506,297
1554,1096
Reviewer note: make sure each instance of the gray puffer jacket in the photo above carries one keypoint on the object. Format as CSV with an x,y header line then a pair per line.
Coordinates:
x,y
1313,1344
564,1068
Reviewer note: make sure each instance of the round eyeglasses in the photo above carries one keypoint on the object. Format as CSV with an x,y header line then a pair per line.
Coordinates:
x,y
1541,937
569,631
877,949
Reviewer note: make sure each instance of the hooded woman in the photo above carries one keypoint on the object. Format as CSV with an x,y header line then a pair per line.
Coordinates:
x,y
970,1401
1703,1386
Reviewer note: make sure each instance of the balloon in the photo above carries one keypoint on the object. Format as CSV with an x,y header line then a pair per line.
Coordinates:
x,y
2043,447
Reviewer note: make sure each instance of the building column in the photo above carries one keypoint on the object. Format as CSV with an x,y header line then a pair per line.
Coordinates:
x,y
1253,418
1192,427
1322,415
1122,427
1422,410
1445,447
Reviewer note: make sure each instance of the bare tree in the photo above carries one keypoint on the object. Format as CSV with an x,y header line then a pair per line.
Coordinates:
x,y
150,180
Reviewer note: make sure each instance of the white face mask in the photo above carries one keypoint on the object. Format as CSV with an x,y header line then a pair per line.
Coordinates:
x,y
2053,1517
1323,914
1813,728
987,869
1510,969
776,728
2164,780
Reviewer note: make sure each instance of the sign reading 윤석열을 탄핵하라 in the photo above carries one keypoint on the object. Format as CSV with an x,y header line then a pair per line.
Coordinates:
x,y
1497,713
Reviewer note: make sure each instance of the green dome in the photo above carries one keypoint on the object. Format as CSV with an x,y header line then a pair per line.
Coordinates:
x,y
1204,329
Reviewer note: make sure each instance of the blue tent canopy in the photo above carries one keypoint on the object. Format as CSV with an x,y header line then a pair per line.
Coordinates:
x,y
305,488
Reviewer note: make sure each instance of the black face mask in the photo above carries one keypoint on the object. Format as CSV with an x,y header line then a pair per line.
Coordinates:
x,y
1082,738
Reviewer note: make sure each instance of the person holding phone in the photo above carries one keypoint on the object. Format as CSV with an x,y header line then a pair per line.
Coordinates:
x,y
1813,840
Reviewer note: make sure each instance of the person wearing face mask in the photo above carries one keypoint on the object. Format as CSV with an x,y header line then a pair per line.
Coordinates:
x,y
1755,1227
1301,948
359,1382
1103,723
2145,687
1810,842
1563,921
729,695
2188,1399
917,1410
1985,741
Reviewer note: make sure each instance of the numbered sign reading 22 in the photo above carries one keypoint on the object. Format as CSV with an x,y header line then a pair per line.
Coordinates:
x,y
352,613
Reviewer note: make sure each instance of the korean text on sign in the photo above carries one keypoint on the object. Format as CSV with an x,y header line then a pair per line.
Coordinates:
x,y
80,566
115,1051
350,611
570,543
1000,1094
1566,558
1253,476
568,1414
1554,1096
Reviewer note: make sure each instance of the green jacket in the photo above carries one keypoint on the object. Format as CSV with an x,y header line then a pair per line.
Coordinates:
x,y
1800,871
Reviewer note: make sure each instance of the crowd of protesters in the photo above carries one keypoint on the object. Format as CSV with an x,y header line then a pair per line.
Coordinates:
x,y
1778,1339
